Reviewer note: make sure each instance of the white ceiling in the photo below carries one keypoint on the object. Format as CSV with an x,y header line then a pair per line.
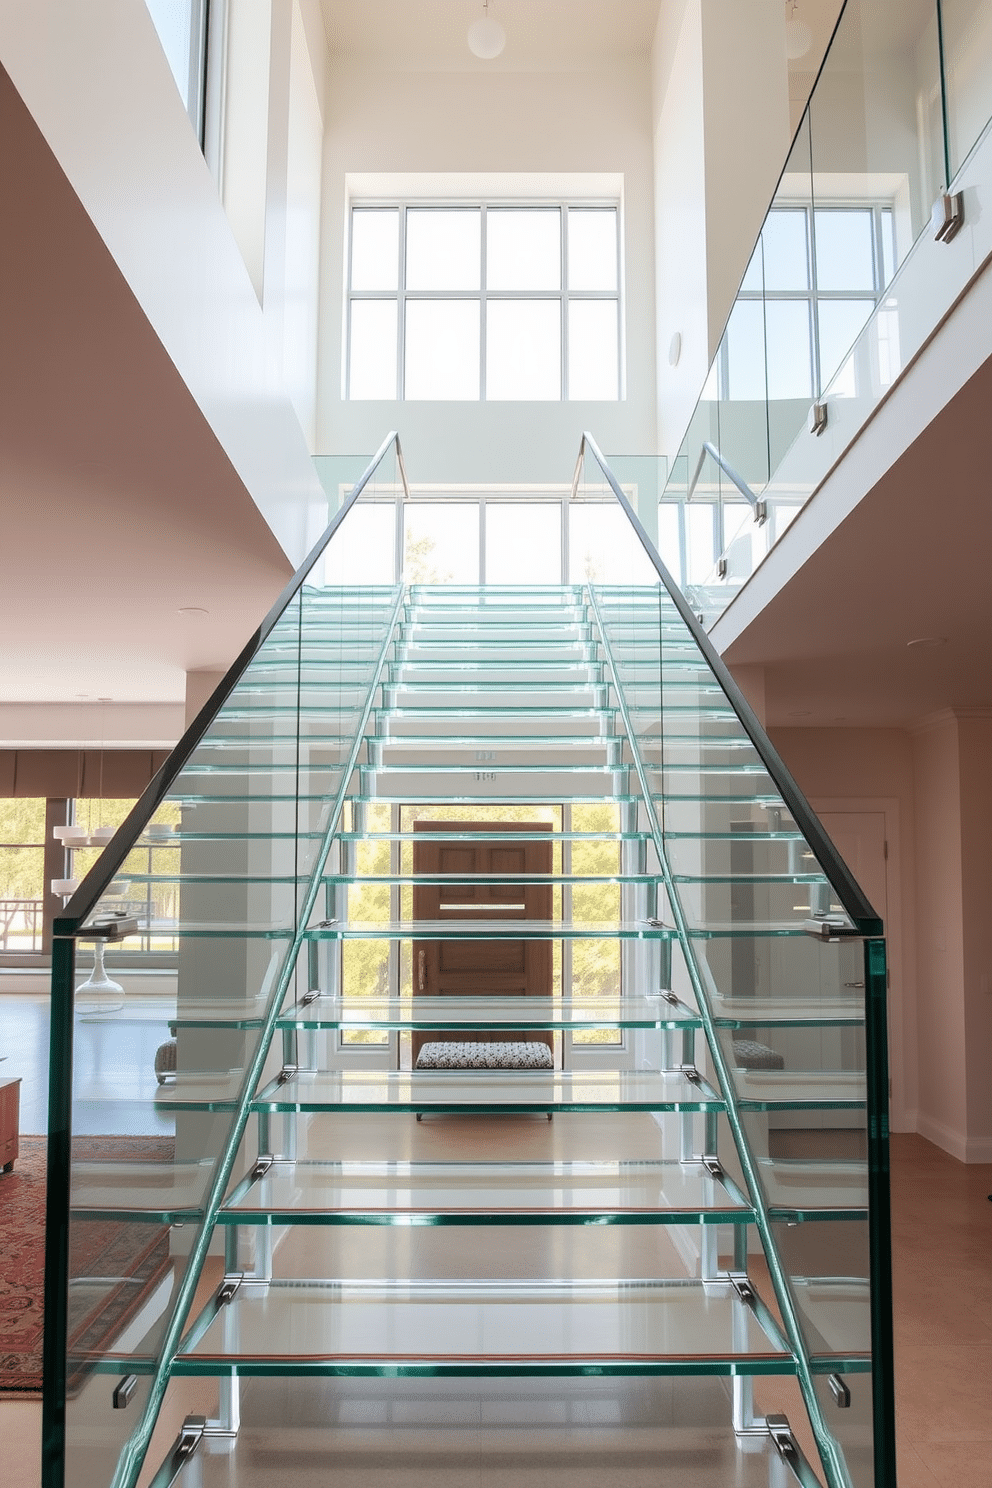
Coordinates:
x,y
118,506
548,33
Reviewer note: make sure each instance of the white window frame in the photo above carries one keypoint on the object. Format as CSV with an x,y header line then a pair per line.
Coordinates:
x,y
813,296
483,295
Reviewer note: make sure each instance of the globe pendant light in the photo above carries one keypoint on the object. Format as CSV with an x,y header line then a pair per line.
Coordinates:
x,y
798,36
486,37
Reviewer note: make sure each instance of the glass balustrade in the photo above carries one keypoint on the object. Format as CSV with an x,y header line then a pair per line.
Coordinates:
x,y
846,282
226,845
500,929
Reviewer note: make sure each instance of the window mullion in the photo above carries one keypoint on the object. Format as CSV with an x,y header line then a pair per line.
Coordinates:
x,y
401,312
483,281
564,303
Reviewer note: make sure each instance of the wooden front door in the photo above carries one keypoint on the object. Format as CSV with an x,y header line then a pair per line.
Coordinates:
x,y
477,968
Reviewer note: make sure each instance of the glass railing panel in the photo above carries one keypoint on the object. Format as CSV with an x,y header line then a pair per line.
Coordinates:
x,y
785,251
400,1192
478,1327
966,27
783,1004
873,182
211,867
846,284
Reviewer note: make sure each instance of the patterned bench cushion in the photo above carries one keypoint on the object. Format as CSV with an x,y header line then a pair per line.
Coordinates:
x,y
750,1055
165,1061
447,1054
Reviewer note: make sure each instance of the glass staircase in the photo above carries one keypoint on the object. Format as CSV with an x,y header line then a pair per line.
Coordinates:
x,y
692,1185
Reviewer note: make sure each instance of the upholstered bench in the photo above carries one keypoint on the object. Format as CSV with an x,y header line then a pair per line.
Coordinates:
x,y
516,1054
165,1061
750,1055
513,1054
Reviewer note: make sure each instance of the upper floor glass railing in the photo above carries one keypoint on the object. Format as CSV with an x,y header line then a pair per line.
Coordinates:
x,y
854,268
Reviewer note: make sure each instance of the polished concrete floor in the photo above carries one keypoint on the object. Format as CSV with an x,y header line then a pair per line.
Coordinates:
x,y
605,1433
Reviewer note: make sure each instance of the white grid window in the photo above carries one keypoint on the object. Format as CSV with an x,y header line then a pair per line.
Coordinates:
x,y
813,281
484,301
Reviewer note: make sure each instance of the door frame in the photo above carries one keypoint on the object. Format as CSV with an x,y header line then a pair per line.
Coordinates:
x,y
901,1003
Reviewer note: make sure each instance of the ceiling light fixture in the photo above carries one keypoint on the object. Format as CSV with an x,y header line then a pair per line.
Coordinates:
x,y
486,37
798,36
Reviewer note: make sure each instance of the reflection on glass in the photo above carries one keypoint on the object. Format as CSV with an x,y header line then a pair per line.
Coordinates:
x,y
592,249
361,551
700,553
787,328
523,543
746,351
173,20
375,248
786,249
443,248
669,545
523,349
442,349
967,36
523,248
840,324
602,547
845,249
441,543
373,349
593,350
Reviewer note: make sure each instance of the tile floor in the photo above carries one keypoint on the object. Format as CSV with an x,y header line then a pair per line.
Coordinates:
x,y
616,1434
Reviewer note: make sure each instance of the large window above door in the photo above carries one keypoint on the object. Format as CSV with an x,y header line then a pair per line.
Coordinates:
x,y
484,301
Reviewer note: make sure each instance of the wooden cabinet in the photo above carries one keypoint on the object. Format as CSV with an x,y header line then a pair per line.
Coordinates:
x,y
10,1096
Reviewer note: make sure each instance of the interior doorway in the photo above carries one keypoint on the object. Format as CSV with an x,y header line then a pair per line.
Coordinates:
x,y
479,968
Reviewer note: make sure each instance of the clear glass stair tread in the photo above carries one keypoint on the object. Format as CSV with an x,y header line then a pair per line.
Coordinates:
x,y
471,1324
157,1189
765,1090
340,1192
836,1314
493,929
488,1091
489,1012
794,1187
496,835
769,1012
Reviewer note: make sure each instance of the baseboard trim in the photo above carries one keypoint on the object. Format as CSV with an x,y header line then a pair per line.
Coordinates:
x,y
946,1137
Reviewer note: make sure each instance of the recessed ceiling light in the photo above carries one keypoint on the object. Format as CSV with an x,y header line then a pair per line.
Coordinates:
x,y
192,610
927,643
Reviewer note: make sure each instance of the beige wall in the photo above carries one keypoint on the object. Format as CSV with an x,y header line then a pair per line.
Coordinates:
x,y
934,784
442,133
863,769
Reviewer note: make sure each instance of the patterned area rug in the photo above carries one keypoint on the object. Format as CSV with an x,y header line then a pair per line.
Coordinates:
x,y
123,1261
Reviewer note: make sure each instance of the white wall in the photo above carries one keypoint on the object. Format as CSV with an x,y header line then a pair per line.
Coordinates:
x,y
721,135
99,86
487,124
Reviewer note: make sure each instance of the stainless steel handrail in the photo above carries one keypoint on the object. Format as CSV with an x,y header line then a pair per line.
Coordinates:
x,y
86,897
836,870
757,505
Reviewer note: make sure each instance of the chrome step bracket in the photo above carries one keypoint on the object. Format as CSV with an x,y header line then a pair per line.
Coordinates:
x,y
229,1287
781,1434
191,1433
831,929
742,1286
123,1391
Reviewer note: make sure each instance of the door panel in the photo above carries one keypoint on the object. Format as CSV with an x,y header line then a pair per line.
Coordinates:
x,y
475,968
